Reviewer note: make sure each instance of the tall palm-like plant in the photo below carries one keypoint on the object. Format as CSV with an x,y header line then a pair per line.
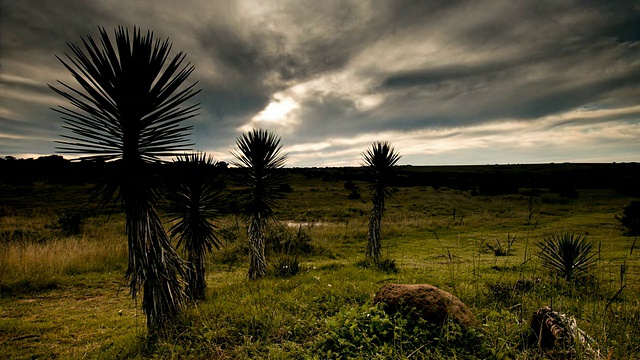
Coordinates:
x,y
380,160
194,203
259,156
129,108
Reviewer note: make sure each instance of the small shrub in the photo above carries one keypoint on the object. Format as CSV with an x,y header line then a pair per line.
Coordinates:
x,y
286,266
285,188
630,218
388,266
354,195
567,254
232,257
282,238
500,249
72,223
230,233
350,185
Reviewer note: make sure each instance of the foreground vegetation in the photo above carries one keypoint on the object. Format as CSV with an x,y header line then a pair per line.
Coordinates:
x,y
63,295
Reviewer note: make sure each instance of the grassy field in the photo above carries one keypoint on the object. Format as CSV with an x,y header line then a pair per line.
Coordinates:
x,y
62,295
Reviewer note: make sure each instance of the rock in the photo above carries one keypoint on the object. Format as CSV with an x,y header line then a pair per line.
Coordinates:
x,y
427,301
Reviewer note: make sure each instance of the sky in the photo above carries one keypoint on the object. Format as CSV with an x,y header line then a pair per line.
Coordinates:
x,y
445,82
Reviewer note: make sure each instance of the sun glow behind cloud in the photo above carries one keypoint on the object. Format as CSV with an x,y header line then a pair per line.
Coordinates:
x,y
278,113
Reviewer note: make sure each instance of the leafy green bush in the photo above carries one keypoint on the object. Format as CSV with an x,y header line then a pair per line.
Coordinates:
x,y
567,254
630,218
367,332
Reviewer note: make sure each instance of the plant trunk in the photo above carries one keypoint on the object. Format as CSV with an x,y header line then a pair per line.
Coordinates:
x,y
154,265
196,283
257,261
374,236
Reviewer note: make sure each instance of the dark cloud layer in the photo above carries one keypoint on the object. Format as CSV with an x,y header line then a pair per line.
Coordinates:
x,y
445,78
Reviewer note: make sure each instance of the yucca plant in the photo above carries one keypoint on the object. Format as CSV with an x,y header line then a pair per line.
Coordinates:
x,y
260,159
128,108
380,160
567,254
194,203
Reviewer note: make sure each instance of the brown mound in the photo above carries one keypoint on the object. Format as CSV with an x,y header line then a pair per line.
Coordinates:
x,y
429,302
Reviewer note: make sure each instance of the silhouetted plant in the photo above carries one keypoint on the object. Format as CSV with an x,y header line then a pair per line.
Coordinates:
x,y
287,266
350,185
354,195
260,160
500,249
630,218
567,254
128,108
380,161
72,223
285,188
388,266
196,201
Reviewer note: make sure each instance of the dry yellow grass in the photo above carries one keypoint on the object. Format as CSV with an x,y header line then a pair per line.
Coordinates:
x,y
43,256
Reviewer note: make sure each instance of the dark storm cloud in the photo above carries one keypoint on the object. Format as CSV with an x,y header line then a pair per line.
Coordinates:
x,y
557,48
441,74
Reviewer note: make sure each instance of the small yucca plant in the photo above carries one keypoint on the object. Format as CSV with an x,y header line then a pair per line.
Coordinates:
x,y
194,205
567,254
287,266
380,161
260,159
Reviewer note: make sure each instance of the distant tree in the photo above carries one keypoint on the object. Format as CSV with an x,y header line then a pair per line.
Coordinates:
x,y
196,201
260,159
380,160
128,108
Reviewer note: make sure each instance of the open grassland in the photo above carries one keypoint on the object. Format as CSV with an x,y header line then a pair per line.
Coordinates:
x,y
62,295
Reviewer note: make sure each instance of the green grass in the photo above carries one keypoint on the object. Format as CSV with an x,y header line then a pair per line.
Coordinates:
x,y
63,296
